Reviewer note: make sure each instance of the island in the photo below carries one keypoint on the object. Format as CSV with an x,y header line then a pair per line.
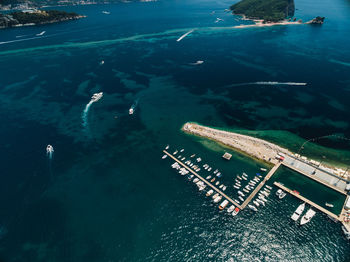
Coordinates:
x,y
266,10
35,17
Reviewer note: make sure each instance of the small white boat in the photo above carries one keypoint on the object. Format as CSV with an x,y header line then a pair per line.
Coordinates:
x,y
221,186
167,147
263,169
235,211
244,174
216,200
244,178
131,111
278,192
102,62
182,150
282,195
216,170
223,204
182,159
49,149
241,193
256,203
193,155
106,12
231,208
237,187
245,190
239,177
253,208
241,198
269,187
237,181
260,202
217,182
224,188
236,201
210,192
208,177
175,152
329,205
209,169
195,180
199,159
298,212
237,184
215,195
307,217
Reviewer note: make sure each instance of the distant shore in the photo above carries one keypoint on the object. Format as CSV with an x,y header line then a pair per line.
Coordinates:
x,y
260,23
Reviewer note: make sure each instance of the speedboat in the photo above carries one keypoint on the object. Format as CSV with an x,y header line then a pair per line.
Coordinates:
x,y
106,12
97,96
269,187
231,208
239,177
236,201
253,208
210,192
209,169
208,177
217,199
223,204
182,150
190,177
237,187
212,180
307,217
40,34
221,186
193,155
216,195
218,174
224,188
49,149
263,169
217,183
237,184
195,180
131,111
216,170
260,201
298,212
235,211
241,198
245,190
244,178
175,152
256,203
167,147
329,205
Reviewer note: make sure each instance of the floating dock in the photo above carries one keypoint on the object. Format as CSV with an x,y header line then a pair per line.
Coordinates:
x,y
307,201
204,180
227,156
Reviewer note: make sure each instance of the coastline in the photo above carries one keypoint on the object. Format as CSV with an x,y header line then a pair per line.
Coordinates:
x,y
260,22
253,147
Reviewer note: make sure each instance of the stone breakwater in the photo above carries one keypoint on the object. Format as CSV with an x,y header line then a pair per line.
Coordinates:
x,y
255,147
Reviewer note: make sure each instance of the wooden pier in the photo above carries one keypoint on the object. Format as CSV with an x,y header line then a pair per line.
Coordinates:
x,y
204,180
307,201
262,183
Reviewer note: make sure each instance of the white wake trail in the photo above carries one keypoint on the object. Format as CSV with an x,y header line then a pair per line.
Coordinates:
x,y
95,97
184,35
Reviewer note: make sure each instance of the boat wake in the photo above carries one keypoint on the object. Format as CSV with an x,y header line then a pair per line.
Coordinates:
x,y
269,83
94,98
184,35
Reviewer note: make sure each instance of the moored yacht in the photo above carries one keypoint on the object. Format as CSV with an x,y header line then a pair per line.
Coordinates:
x,y
167,147
210,192
223,204
237,187
216,195
307,217
217,199
241,198
235,211
298,212
231,208
253,208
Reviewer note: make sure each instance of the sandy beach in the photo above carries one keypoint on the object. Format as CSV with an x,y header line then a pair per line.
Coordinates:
x,y
259,23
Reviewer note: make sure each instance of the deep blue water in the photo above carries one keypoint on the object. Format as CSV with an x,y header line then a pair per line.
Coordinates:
x,y
106,195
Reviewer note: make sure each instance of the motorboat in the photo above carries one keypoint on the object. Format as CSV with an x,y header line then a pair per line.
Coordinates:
x,y
216,170
260,202
190,177
209,169
253,208
237,181
212,180
231,208
235,211
199,159
282,195
217,183
193,155
41,33
49,149
241,193
241,198
221,186
182,159
215,195
210,192
245,190
106,12
195,180
263,169
329,205
236,201
182,150
167,147
97,96
223,204
218,174
256,203
216,200
244,178
269,187
208,177
278,192
175,152
131,111
224,188
240,178
307,217
237,187
298,212
238,184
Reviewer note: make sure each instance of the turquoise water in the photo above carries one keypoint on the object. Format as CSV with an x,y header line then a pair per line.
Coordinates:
x,y
107,195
